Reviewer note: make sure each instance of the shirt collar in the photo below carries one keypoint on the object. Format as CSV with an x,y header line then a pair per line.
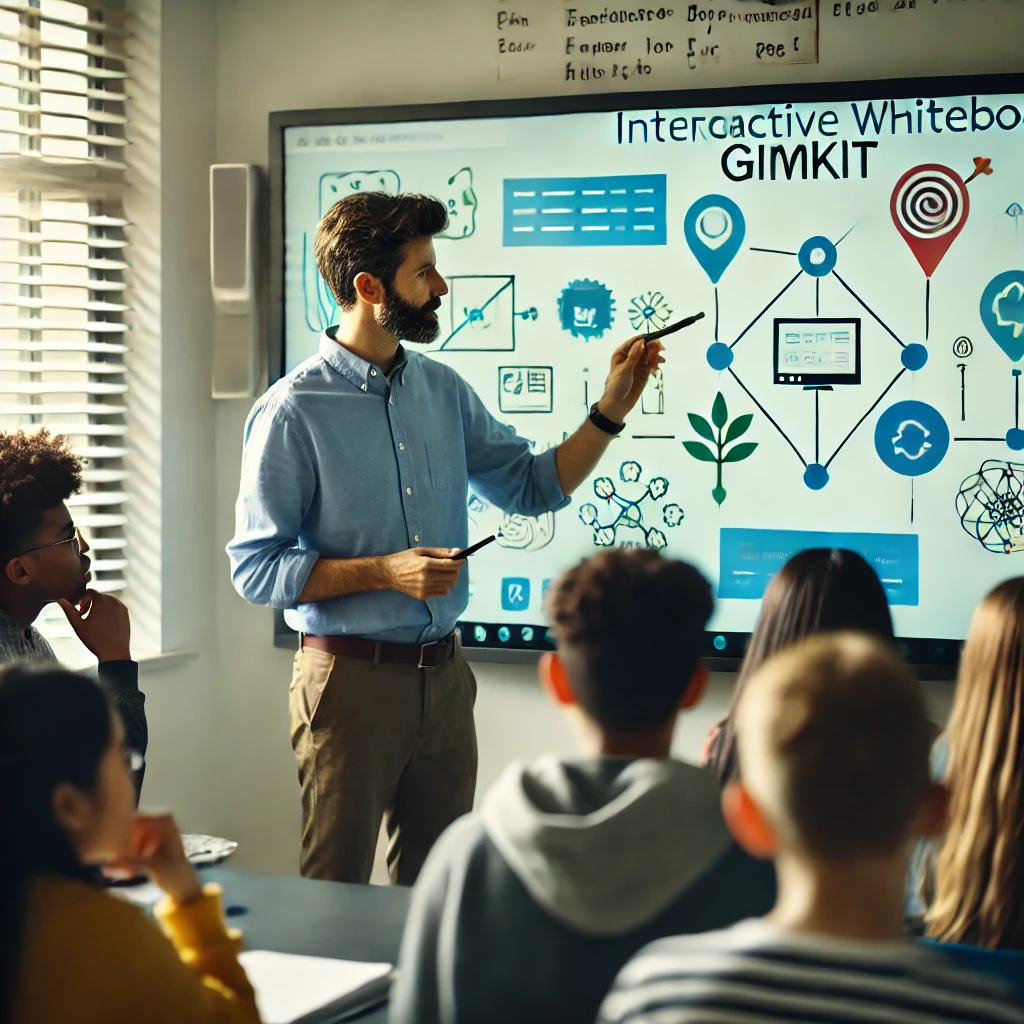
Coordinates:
x,y
360,372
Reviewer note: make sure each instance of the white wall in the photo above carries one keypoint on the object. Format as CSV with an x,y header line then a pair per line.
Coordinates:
x,y
220,751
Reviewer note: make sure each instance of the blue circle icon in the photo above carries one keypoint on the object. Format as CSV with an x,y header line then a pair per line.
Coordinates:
x,y
549,636
719,643
719,356
526,634
914,356
818,256
815,476
504,634
479,634
911,438
1002,312
1015,439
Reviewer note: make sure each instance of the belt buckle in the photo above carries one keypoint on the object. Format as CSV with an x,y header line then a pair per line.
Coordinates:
x,y
419,660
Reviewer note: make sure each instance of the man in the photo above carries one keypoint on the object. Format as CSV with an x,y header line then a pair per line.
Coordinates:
x,y
45,559
833,748
528,910
353,497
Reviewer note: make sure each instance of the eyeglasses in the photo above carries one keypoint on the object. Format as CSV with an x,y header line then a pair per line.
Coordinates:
x,y
75,542
134,761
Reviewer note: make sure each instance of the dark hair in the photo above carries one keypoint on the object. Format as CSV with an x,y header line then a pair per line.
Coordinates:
x,y
55,726
366,232
628,626
37,472
817,590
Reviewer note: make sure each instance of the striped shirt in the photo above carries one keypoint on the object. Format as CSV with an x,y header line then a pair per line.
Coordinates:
x,y
754,972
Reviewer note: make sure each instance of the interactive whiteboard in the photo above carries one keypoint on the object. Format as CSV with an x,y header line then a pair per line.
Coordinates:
x,y
855,381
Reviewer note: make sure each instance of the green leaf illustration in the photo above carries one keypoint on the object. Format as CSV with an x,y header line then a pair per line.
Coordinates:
x,y
740,452
738,427
718,493
719,411
700,451
701,426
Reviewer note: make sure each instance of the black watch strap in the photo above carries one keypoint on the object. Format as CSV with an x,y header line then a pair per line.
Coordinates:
x,y
602,422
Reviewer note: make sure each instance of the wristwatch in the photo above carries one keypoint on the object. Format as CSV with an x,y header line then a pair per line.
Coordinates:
x,y
602,422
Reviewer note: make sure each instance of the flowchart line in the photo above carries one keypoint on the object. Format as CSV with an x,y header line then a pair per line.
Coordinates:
x,y
779,252
768,417
799,274
880,321
506,285
892,384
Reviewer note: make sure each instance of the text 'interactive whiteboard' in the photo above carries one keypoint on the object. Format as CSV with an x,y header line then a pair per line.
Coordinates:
x,y
855,381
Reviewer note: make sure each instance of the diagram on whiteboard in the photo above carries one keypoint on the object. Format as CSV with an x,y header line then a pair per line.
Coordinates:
x,y
856,378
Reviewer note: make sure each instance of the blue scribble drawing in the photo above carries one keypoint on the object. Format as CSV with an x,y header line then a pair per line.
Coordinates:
x,y
649,312
990,504
627,209
462,204
1015,210
586,309
622,513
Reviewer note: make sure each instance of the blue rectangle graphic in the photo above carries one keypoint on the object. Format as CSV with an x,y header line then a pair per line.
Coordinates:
x,y
748,559
626,209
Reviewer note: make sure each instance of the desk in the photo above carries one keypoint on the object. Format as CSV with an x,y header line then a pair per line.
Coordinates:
x,y
301,915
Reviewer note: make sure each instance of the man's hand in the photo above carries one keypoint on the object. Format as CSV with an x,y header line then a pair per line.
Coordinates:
x,y
423,572
632,364
102,624
155,848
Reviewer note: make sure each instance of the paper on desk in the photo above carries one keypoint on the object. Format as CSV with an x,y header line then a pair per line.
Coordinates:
x,y
291,988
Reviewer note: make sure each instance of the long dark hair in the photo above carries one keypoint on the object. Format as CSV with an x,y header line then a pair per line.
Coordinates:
x,y
816,590
55,727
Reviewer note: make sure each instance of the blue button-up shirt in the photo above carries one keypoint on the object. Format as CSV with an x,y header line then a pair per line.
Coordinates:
x,y
338,464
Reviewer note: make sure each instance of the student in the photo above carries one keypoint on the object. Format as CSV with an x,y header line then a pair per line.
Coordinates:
x,y
69,950
817,590
45,559
833,749
526,911
978,873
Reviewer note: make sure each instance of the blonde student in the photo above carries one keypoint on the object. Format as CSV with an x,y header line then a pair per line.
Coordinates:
x,y
69,950
833,755
978,872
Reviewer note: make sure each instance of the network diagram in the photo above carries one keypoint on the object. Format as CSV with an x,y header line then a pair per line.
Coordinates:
x,y
929,206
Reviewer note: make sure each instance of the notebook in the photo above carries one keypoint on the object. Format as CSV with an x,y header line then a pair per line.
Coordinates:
x,y
292,989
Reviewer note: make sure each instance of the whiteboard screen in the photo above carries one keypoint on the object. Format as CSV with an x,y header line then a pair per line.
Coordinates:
x,y
855,381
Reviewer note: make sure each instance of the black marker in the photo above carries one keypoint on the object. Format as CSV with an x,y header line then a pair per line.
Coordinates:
x,y
466,552
672,328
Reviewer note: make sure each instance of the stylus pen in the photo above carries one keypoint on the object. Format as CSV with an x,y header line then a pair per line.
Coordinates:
x,y
672,328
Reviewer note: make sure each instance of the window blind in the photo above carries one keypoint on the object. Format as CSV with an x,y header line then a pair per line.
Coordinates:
x,y
63,335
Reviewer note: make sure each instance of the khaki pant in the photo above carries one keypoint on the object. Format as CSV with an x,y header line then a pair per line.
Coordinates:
x,y
379,741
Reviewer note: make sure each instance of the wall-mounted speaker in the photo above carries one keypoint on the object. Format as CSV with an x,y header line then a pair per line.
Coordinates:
x,y
236,278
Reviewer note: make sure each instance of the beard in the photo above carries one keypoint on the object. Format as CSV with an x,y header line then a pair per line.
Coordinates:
x,y
408,322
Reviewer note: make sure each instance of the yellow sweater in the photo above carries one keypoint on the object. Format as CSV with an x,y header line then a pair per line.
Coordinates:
x,y
91,958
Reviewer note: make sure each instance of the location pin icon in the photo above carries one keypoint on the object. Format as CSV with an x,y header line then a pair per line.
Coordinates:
x,y
1002,312
929,207
714,228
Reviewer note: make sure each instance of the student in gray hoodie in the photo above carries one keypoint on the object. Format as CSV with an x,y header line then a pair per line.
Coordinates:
x,y
527,910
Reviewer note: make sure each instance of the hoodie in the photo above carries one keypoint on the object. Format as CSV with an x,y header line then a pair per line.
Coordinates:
x,y
527,910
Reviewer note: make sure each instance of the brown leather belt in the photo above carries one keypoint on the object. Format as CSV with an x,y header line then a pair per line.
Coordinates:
x,y
421,655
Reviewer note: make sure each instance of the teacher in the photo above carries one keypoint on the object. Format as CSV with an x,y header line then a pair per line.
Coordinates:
x,y
355,471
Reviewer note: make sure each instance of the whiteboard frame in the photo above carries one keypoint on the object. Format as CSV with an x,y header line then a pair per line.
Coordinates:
x,y
933,658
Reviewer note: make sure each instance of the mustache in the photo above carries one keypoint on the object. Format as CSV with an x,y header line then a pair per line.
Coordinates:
x,y
432,305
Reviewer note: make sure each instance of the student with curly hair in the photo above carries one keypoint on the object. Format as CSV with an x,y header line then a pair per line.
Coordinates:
x,y
44,559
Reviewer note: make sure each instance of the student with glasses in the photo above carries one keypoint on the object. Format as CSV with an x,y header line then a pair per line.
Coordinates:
x,y
44,559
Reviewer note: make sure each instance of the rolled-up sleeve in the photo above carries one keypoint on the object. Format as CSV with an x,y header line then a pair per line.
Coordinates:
x,y
269,565
501,466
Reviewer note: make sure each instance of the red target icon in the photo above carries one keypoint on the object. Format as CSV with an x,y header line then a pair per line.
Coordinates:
x,y
929,207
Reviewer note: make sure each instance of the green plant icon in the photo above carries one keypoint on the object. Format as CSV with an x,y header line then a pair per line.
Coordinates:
x,y
720,418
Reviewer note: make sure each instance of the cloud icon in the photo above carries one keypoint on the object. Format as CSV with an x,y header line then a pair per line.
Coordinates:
x,y
911,440
1008,307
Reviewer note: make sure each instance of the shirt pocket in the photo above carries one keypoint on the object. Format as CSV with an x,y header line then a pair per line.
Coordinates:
x,y
446,457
